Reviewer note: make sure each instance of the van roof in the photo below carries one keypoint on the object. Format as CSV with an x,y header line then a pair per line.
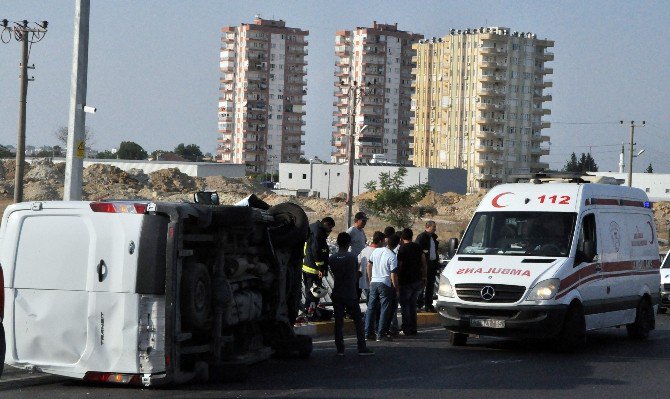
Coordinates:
x,y
559,197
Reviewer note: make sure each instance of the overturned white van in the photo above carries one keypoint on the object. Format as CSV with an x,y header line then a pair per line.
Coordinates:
x,y
150,293
553,258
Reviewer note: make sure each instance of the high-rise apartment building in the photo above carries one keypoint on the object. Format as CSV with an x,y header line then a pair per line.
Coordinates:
x,y
379,59
262,93
478,102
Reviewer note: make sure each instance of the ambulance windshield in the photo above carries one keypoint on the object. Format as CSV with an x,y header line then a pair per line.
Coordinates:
x,y
519,234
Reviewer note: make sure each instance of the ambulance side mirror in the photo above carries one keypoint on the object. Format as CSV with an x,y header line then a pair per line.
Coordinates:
x,y
453,246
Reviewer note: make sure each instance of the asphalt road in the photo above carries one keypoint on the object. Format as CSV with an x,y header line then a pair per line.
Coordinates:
x,y
423,366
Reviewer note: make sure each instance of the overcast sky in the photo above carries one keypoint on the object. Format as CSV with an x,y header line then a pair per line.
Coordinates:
x,y
154,77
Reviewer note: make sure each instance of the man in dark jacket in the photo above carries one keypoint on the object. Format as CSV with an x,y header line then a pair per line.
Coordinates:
x,y
315,262
428,242
344,268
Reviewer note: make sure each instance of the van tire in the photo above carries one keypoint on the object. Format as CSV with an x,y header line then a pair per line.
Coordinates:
x,y
573,333
294,224
644,321
458,339
196,297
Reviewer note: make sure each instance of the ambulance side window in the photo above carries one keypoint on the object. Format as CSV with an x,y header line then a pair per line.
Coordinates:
x,y
586,236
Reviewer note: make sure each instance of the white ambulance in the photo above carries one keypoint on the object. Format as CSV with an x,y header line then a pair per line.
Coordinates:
x,y
553,258
150,293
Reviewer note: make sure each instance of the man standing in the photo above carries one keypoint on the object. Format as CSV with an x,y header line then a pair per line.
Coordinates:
x,y
428,242
344,268
363,282
358,239
315,262
411,278
382,269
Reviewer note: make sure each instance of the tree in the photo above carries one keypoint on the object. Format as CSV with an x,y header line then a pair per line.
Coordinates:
x,y
131,150
393,203
105,155
61,135
4,152
650,169
586,163
191,152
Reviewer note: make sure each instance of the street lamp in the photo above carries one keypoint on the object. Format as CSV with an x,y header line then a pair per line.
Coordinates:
x,y
355,92
24,33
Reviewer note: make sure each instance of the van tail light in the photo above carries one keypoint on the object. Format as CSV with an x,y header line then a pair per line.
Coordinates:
x,y
119,207
116,378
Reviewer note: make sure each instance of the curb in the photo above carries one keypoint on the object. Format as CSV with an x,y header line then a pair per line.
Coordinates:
x,y
326,328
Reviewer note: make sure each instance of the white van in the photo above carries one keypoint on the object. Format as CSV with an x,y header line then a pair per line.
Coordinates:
x,y
665,285
150,293
553,258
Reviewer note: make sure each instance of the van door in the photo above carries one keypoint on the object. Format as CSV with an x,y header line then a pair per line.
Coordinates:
x,y
48,300
590,271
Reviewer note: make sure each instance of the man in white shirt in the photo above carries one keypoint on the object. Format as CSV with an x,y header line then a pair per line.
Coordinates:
x,y
358,239
363,284
382,269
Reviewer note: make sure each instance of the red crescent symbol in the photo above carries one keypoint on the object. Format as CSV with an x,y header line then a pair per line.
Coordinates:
x,y
495,199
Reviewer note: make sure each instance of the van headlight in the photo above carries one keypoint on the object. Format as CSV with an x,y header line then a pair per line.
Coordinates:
x,y
544,290
445,288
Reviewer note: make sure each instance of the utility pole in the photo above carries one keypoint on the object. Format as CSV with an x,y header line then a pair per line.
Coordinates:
x,y
630,156
76,140
355,92
22,32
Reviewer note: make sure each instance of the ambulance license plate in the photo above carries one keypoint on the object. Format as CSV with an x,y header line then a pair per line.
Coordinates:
x,y
487,323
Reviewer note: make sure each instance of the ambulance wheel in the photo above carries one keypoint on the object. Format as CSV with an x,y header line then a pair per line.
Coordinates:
x,y
644,321
573,334
196,297
457,339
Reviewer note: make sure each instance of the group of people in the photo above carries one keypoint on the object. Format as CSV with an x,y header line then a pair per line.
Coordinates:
x,y
392,270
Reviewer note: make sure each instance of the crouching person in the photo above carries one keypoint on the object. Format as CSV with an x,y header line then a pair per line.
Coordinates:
x,y
344,268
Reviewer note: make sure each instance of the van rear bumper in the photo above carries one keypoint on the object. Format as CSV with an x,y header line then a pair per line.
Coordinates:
x,y
522,321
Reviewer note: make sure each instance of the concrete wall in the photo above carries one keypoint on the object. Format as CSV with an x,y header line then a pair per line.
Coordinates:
x,y
195,169
656,185
328,180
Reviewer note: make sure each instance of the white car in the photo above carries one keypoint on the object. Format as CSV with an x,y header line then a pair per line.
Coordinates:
x,y
665,285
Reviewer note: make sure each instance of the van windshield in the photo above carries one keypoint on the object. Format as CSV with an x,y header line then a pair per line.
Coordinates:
x,y
519,233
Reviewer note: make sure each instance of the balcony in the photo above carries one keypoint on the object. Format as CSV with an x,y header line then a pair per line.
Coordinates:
x,y
539,137
539,151
490,92
493,50
488,177
490,121
488,163
492,78
489,135
481,148
538,166
547,56
490,107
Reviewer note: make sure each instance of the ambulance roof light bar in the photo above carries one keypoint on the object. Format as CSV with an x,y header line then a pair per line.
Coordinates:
x,y
564,177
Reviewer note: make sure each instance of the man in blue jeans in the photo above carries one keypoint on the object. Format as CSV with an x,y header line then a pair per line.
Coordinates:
x,y
411,278
382,271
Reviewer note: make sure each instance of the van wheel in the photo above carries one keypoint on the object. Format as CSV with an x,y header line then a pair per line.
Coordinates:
x,y
644,321
196,296
291,223
457,339
573,334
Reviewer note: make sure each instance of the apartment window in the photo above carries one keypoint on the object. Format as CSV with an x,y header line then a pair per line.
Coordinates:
x,y
290,175
646,190
304,176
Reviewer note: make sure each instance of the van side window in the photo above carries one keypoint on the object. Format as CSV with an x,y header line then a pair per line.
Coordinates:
x,y
587,235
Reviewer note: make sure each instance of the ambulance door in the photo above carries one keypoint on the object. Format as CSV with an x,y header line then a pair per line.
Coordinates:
x,y
589,270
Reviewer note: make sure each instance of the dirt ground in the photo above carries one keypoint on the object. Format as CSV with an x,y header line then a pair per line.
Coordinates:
x,y
44,181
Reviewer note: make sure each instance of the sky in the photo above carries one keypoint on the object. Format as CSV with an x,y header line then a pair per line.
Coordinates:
x,y
153,70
